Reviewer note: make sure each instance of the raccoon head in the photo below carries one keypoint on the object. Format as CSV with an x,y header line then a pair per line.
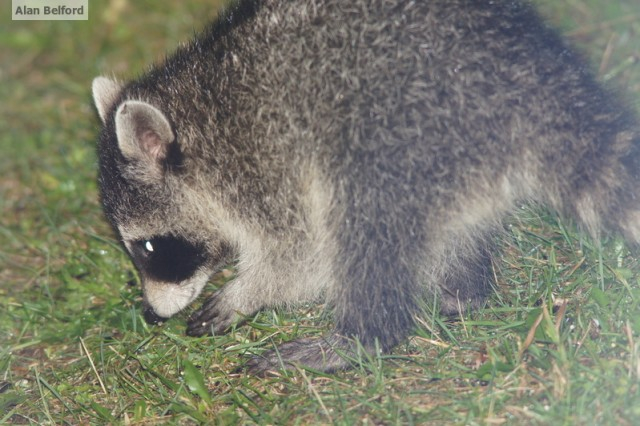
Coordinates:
x,y
174,270
142,192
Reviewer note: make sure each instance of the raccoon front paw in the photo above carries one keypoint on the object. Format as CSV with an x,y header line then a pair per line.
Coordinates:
x,y
214,317
326,354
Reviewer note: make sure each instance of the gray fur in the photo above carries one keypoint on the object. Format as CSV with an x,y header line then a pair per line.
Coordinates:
x,y
361,151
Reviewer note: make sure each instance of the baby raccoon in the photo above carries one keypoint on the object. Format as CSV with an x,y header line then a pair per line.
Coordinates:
x,y
364,151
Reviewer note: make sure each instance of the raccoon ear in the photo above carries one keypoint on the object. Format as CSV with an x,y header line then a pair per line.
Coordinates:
x,y
105,94
143,132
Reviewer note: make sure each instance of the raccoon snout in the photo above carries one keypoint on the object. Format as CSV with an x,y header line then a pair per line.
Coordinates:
x,y
151,317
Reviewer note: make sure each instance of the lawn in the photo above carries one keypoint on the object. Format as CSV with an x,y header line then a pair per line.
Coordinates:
x,y
559,342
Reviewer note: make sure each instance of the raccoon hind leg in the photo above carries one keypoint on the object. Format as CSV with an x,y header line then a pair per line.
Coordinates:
x,y
624,211
464,276
603,191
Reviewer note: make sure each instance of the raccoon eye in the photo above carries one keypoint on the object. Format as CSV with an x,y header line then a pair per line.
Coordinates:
x,y
168,258
143,248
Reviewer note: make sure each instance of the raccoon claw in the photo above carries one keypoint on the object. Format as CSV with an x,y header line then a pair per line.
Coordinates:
x,y
210,318
329,355
196,327
202,322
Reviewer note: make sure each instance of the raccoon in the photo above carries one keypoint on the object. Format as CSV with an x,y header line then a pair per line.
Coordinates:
x,y
361,152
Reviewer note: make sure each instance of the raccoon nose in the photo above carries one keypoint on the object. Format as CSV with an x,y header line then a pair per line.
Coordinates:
x,y
151,317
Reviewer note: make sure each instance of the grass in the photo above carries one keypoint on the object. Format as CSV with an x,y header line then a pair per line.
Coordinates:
x,y
559,343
